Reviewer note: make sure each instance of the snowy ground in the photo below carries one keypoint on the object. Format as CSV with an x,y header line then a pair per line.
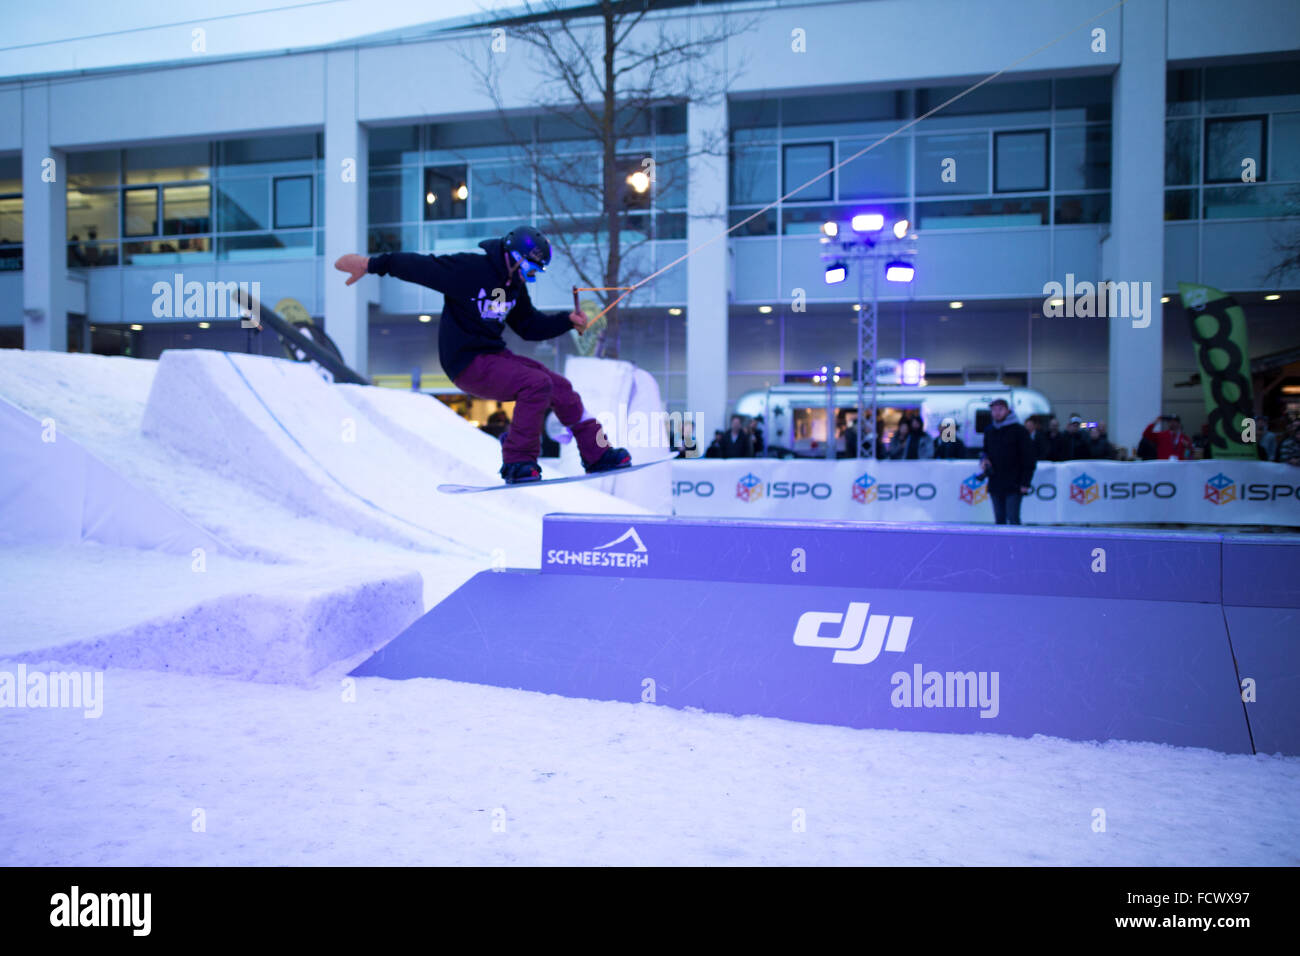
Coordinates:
x,y
436,772
418,772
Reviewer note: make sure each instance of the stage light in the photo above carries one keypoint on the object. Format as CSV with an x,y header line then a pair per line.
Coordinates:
x,y
913,371
899,271
857,307
900,228
868,222
1272,298
430,198
462,192
426,318
955,305
674,311
205,325
137,328
639,181
1164,299
831,229
765,309
837,272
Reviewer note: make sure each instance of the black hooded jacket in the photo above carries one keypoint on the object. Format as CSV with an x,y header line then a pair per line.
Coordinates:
x,y
474,314
1009,452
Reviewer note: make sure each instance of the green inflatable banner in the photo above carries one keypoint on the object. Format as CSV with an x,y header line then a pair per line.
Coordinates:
x,y
1218,327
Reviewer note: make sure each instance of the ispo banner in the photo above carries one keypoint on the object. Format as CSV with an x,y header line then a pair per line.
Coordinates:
x,y
1078,492
1218,328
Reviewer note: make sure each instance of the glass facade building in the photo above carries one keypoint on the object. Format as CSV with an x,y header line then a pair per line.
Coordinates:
x,y
1009,185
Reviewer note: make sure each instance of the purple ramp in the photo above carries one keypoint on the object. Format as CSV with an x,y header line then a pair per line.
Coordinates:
x,y
1084,668
1261,598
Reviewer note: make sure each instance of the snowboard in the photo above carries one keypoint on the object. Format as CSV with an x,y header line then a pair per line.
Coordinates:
x,y
473,489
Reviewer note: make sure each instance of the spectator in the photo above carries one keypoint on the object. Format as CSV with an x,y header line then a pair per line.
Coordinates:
x,y
715,447
1074,443
1288,451
1166,434
497,424
737,442
1031,426
850,434
1099,445
900,432
1008,462
1051,444
757,433
911,443
949,450
1268,441
1201,443
685,440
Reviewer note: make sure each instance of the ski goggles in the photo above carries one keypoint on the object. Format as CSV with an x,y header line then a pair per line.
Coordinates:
x,y
529,268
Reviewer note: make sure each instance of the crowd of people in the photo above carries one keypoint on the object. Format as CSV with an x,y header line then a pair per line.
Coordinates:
x,y
742,439
1164,439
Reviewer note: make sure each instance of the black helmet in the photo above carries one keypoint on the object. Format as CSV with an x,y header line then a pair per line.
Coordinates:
x,y
530,248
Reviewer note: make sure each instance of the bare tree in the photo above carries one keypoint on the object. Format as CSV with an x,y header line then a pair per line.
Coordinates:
x,y
611,73
1287,248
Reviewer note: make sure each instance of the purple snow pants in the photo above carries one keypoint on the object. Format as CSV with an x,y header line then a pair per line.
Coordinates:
x,y
534,388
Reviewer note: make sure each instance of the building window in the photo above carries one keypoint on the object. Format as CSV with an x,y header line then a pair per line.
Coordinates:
x,y
11,214
1182,153
1285,142
293,202
446,193
1082,157
804,162
259,185
952,164
243,205
1020,161
140,212
877,173
187,210
1229,143
753,175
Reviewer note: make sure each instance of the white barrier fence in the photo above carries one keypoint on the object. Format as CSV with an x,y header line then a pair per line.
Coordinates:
x,y
1075,492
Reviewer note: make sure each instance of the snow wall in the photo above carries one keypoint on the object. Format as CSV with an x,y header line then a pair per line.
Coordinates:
x,y
626,401
52,490
1082,634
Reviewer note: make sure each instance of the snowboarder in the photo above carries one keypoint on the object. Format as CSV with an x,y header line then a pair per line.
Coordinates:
x,y
483,294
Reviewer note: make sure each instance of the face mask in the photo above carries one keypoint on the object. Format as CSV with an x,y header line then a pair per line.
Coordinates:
x,y
529,269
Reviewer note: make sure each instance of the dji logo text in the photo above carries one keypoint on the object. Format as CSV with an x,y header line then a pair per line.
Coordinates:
x,y
861,636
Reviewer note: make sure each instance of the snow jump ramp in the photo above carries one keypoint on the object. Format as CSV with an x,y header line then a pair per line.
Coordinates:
x,y
1075,633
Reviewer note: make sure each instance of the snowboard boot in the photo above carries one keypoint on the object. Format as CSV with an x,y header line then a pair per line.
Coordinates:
x,y
521,472
612,459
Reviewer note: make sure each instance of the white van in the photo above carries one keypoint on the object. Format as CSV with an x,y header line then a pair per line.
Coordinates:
x,y
794,416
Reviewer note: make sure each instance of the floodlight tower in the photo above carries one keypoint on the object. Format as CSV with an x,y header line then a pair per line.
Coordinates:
x,y
866,247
